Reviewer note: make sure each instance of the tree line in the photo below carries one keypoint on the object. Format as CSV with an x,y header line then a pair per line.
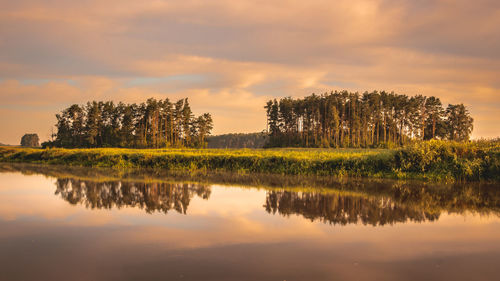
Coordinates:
x,y
345,119
243,140
151,124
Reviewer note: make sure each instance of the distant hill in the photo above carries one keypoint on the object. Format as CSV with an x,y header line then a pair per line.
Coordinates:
x,y
250,140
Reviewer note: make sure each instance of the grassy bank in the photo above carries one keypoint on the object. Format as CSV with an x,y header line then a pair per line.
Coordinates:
x,y
434,160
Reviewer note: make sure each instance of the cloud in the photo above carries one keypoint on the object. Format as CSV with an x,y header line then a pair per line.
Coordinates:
x,y
230,56
31,107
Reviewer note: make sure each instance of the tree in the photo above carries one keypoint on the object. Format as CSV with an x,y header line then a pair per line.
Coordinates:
x,y
204,126
187,117
459,122
93,123
30,140
435,115
127,129
272,109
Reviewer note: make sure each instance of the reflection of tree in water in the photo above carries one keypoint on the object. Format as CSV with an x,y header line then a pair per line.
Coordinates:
x,y
151,197
380,204
329,199
341,209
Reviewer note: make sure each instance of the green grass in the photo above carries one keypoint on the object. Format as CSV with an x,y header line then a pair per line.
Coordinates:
x,y
432,160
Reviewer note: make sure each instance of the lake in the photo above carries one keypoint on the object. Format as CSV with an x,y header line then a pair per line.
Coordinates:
x,y
62,223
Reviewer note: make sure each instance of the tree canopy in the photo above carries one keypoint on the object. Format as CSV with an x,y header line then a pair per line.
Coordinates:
x,y
345,119
151,124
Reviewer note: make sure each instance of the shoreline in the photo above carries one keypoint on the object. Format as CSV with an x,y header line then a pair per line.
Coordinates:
x,y
429,198
429,161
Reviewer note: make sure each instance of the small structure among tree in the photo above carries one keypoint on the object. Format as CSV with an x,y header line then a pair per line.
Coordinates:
x,y
30,140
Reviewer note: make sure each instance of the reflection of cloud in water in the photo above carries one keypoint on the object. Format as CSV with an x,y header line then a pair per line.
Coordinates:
x,y
142,233
326,199
394,203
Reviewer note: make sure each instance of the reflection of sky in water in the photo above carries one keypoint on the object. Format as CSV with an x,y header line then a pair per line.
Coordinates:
x,y
229,236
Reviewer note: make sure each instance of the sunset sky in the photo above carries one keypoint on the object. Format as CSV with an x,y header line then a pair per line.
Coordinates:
x,y
228,57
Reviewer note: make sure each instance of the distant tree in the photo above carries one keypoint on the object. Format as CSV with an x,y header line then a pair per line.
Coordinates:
x,y
30,140
250,140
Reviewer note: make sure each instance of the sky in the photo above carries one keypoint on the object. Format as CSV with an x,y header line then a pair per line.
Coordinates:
x,y
229,57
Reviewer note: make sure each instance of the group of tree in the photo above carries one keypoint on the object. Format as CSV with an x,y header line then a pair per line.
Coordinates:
x,y
345,119
250,140
152,124
30,140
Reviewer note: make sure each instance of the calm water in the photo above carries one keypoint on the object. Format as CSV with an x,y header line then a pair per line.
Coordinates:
x,y
79,224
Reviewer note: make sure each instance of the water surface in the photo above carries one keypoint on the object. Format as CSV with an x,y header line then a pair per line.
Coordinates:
x,y
88,224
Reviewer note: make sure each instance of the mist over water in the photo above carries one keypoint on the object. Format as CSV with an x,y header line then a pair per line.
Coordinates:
x,y
91,224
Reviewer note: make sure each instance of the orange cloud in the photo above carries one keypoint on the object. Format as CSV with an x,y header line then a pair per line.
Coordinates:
x,y
230,56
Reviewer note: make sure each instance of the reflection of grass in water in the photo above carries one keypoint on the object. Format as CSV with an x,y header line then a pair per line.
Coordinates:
x,y
414,195
435,160
319,184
